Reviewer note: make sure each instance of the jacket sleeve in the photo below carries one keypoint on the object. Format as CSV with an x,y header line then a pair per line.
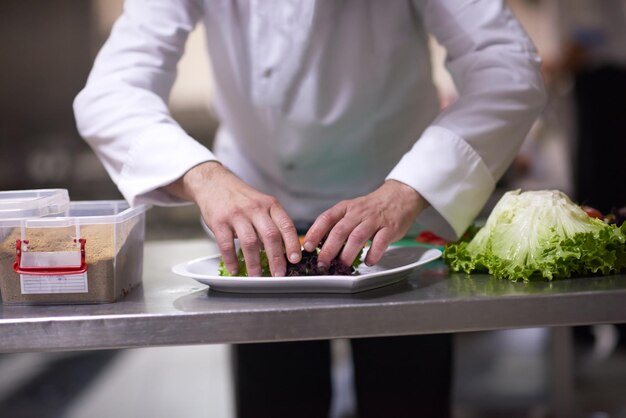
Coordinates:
x,y
460,156
122,112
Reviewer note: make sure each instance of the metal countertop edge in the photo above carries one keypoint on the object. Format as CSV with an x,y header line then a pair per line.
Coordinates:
x,y
306,323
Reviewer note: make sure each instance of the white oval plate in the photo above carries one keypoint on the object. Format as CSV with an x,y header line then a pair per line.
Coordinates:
x,y
396,264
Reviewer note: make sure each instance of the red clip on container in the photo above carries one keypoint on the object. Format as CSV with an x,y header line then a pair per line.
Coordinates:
x,y
49,270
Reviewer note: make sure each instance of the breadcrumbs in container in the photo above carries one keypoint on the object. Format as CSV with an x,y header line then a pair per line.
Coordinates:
x,y
93,254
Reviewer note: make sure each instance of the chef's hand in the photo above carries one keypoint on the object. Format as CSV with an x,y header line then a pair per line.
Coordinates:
x,y
232,209
383,216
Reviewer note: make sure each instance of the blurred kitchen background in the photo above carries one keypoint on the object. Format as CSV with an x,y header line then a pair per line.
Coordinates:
x,y
47,49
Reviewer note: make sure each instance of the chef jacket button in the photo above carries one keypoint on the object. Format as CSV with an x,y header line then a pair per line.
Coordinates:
x,y
268,72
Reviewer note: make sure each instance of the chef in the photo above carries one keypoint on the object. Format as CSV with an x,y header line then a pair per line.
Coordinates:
x,y
328,117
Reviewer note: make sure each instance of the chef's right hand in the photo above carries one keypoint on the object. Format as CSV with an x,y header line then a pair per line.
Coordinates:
x,y
232,209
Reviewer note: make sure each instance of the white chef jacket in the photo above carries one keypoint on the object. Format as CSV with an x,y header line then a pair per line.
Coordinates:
x,y
319,101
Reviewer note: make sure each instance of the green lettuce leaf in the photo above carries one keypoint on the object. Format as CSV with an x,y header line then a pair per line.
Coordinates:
x,y
357,261
540,234
243,271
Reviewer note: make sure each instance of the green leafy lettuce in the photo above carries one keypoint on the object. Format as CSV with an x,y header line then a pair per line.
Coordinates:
x,y
540,234
243,270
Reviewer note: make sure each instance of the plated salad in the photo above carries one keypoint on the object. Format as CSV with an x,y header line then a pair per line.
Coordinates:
x,y
306,267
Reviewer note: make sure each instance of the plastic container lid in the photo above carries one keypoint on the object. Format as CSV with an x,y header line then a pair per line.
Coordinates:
x,y
33,203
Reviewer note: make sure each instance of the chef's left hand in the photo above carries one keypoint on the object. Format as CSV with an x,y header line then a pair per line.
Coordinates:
x,y
383,216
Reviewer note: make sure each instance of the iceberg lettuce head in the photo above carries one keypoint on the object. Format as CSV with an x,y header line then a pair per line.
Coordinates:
x,y
540,234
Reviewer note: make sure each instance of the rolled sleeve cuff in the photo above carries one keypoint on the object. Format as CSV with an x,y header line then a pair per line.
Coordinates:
x,y
450,175
157,157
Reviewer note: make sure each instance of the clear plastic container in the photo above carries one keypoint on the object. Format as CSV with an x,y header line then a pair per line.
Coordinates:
x,y
92,254
33,203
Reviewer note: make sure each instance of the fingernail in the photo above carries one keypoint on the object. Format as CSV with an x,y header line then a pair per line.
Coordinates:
x,y
322,266
279,273
293,257
309,247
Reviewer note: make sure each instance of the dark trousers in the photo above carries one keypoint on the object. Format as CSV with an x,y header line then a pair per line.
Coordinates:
x,y
407,376
600,169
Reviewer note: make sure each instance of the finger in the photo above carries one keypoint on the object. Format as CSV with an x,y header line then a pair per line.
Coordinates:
x,y
322,225
288,231
273,242
380,243
336,239
356,241
249,242
225,242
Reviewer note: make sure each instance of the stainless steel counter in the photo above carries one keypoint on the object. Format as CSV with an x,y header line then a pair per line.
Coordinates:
x,y
173,310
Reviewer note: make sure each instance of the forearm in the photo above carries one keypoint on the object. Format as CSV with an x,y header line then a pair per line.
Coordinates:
x,y
406,195
195,182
